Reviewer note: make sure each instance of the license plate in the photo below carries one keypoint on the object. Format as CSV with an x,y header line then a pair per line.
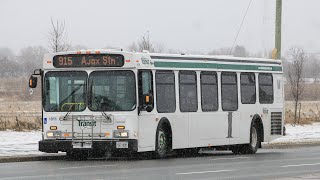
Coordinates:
x,y
82,145
121,145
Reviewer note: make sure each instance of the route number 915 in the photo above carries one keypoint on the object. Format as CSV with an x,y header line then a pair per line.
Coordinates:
x,y
67,61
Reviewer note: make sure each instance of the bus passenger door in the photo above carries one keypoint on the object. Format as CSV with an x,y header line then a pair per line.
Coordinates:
x,y
147,119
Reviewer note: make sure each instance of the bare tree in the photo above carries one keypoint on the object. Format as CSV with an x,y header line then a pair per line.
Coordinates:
x,y
295,74
145,44
9,65
32,58
58,36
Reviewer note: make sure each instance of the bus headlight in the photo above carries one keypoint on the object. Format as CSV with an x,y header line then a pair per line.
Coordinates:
x,y
120,134
53,134
49,134
124,134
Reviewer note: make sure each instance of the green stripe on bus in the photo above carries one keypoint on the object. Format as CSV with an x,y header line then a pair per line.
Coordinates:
x,y
216,66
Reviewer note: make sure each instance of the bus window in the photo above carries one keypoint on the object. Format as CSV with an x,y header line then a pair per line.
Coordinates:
x,y
188,91
265,88
248,88
112,91
166,94
145,89
65,91
209,91
229,91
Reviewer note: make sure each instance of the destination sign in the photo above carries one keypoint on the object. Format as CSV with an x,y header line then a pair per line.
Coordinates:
x,y
88,60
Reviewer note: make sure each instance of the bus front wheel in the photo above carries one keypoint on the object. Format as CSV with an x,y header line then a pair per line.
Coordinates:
x,y
162,143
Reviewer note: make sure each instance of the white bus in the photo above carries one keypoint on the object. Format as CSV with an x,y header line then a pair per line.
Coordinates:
x,y
114,101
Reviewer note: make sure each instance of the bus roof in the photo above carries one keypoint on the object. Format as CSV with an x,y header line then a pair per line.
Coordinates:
x,y
160,60
225,58
171,56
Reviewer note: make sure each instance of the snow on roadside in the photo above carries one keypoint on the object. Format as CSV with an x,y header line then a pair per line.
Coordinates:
x,y
300,134
19,143
26,143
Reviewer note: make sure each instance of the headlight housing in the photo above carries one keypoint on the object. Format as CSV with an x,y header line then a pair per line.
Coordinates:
x,y
120,134
53,134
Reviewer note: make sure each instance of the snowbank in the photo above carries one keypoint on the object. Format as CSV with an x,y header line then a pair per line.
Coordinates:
x,y
300,134
19,143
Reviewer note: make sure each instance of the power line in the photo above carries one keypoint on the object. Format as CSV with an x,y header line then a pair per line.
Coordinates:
x,y
244,17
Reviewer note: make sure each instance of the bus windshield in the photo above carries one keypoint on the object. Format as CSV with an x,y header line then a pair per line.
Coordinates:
x,y
65,91
112,91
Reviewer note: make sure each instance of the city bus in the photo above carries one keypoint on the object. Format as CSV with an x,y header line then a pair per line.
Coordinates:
x,y
112,101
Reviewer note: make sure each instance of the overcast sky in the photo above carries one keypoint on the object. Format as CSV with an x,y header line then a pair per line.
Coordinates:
x,y
185,25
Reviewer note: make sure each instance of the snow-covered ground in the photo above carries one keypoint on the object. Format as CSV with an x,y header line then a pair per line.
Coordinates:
x,y
26,143
300,134
19,143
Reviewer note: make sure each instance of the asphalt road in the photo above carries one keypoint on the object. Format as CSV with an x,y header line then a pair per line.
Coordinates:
x,y
300,163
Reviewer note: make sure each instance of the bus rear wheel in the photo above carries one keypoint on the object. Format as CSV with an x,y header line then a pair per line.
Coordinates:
x,y
253,146
162,143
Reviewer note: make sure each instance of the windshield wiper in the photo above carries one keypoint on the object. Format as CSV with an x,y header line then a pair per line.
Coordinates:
x,y
72,93
76,102
65,99
104,114
99,107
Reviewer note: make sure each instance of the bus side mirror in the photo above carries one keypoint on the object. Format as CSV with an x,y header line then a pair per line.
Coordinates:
x,y
149,108
33,81
148,102
147,99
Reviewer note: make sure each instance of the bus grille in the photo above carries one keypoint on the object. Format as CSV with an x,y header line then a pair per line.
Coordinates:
x,y
276,123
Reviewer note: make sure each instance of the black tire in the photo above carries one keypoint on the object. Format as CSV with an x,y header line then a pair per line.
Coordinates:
x,y
254,144
162,143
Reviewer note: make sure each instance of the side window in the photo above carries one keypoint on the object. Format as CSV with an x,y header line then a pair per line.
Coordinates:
x,y
229,91
145,88
166,94
265,88
248,88
209,91
188,91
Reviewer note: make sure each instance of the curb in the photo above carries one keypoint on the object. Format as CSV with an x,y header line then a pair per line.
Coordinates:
x,y
289,145
31,158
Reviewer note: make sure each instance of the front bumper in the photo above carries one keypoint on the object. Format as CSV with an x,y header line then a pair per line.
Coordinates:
x,y
54,146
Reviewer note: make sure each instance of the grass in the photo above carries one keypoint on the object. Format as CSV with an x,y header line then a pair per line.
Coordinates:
x,y
309,112
20,115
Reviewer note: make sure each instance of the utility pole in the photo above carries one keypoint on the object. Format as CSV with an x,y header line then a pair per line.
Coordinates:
x,y
278,30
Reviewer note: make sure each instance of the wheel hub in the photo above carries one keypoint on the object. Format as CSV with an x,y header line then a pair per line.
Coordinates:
x,y
161,141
